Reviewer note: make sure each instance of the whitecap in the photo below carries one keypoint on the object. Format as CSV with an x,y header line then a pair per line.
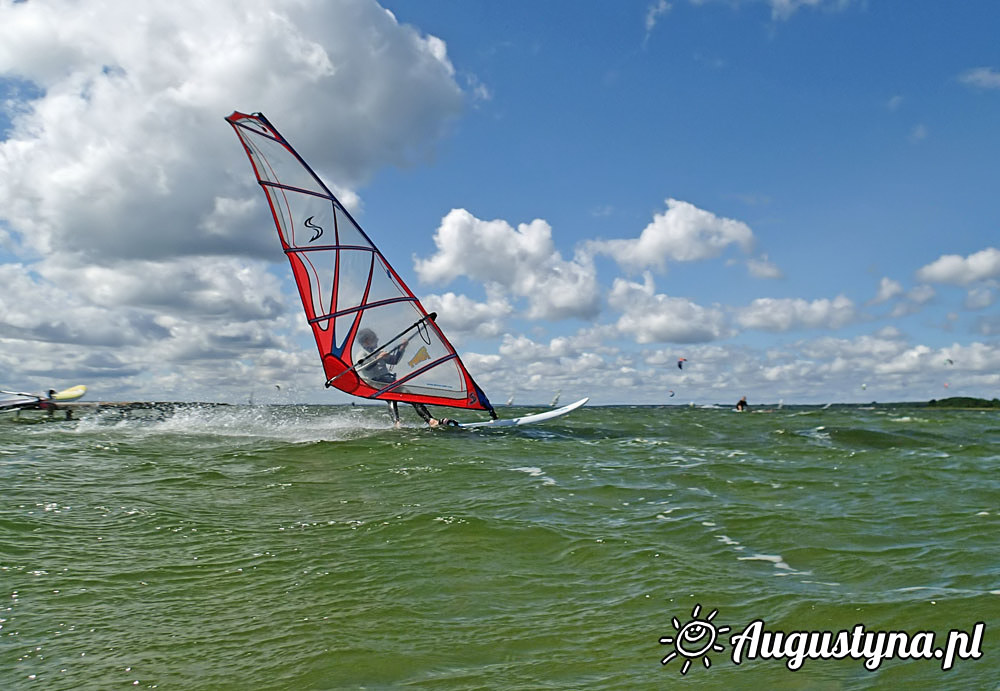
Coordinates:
x,y
776,559
537,472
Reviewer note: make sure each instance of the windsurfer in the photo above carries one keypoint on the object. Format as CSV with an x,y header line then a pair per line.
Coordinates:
x,y
377,370
742,404
47,404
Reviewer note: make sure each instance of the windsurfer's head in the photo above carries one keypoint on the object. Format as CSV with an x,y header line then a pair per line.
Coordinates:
x,y
367,339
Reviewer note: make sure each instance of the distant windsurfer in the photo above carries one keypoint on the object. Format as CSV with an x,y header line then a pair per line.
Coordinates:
x,y
47,404
376,369
741,405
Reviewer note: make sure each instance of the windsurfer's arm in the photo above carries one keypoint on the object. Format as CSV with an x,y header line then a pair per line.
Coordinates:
x,y
395,355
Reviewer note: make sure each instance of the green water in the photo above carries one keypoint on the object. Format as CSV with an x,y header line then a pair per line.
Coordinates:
x,y
315,547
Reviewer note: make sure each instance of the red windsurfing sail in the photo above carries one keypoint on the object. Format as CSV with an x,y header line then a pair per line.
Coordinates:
x,y
375,339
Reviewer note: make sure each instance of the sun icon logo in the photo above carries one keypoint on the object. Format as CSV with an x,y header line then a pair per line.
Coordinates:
x,y
694,639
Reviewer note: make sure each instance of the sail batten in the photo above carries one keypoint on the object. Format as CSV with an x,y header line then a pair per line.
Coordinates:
x,y
359,248
352,310
375,339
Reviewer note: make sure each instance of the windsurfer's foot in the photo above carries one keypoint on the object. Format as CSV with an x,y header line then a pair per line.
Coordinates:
x,y
443,422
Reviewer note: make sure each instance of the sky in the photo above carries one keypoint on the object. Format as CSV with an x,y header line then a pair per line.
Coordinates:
x,y
799,197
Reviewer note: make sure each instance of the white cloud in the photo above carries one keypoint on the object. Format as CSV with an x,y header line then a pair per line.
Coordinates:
x,y
909,361
858,352
651,317
124,151
461,316
981,77
525,349
785,314
980,298
653,14
956,270
35,310
130,203
783,9
682,233
887,289
522,261
764,268
913,300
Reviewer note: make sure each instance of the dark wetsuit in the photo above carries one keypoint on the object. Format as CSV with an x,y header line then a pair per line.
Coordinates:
x,y
378,372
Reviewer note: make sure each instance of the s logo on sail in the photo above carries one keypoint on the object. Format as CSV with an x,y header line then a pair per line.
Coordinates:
x,y
312,226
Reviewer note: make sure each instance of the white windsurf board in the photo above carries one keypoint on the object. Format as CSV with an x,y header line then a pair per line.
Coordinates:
x,y
526,419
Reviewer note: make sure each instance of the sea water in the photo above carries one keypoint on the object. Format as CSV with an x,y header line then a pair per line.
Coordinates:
x,y
317,547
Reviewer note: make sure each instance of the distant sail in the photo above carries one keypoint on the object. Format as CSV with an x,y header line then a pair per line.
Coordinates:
x,y
555,400
348,289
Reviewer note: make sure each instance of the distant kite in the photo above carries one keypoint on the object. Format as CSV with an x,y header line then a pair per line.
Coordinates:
x,y
671,393
680,362
949,361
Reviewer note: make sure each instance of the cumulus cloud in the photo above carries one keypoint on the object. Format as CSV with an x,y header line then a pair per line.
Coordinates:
x,y
682,233
980,298
522,261
887,289
785,314
650,317
460,316
130,204
957,270
913,300
562,362
227,287
33,309
762,267
124,149
884,343
981,77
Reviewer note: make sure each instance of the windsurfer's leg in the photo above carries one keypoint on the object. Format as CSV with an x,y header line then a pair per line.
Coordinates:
x,y
433,422
393,411
422,411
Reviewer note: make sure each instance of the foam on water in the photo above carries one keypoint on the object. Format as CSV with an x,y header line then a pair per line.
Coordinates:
x,y
294,424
